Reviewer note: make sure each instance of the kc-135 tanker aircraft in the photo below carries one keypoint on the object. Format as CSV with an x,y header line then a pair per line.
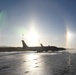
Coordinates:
x,y
27,48
42,48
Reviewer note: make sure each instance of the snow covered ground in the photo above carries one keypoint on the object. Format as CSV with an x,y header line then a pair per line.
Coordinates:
x,y
32,63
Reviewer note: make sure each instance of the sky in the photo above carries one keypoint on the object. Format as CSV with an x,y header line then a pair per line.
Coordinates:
x,y
50,22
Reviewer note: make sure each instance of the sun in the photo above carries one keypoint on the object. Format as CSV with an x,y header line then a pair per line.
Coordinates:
x,y
32,37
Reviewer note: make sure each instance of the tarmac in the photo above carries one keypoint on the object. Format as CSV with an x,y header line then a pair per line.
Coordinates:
x,y
32,63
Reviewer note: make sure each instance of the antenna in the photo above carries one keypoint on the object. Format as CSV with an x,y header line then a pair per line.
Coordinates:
x,y
22,36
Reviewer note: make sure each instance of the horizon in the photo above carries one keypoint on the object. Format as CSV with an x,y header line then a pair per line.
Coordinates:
x,y
50,22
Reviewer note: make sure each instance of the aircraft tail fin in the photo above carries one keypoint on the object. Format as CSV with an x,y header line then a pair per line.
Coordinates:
x,y
41,45
24,44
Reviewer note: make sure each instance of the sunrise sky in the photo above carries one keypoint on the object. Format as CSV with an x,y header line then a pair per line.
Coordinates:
x,y
50,22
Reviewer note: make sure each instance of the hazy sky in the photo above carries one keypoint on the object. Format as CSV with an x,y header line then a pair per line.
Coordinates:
x,y
53,21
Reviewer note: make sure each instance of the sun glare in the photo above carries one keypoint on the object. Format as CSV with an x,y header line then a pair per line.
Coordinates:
x,y
69,37
32,37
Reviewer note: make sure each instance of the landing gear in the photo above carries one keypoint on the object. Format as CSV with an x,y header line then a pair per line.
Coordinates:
x,y
46,50
39,51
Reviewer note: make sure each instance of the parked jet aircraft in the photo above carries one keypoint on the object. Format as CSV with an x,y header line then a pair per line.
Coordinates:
x,y
41,48
26,48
